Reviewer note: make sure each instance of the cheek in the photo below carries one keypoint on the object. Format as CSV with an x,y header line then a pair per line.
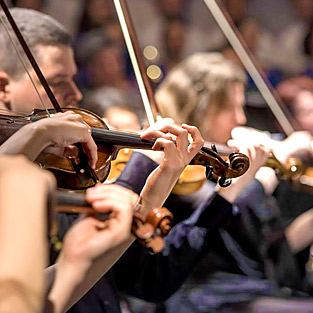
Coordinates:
x,y
306,123
22,101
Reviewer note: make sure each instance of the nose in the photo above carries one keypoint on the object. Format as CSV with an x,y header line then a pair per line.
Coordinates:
x,y
74,96
240,116
76,92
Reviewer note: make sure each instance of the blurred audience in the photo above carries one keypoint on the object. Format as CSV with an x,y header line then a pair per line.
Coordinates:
x,y
292,56
297,94
119,110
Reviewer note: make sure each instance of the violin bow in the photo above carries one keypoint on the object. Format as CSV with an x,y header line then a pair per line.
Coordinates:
x,y
251,65
82,168
131,40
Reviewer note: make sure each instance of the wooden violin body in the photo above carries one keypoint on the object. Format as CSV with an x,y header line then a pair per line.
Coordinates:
x,y
109,143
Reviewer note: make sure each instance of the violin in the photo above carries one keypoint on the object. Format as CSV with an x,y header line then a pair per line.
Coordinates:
x,y
298,173
109,142
213,171
159,219
149,231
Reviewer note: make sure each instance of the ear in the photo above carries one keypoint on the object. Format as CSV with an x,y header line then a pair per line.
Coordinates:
x,y
4,93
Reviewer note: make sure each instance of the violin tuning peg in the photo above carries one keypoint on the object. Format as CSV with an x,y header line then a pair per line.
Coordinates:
x,y
213,147
209,172
224,182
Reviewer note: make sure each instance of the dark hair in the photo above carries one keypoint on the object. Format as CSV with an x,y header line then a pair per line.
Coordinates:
x,y
37,29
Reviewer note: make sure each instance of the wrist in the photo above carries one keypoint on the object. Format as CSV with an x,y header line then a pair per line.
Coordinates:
x,y
43,137
72,271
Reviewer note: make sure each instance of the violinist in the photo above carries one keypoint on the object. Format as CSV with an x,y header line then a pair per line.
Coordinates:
x,y
208,91
24,252
55,57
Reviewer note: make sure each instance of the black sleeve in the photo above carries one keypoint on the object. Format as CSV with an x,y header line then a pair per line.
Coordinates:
x,y
155,277
136,172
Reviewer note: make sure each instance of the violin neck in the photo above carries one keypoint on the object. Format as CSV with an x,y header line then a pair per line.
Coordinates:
x,y
10,125
222,150
71,199
120,139
75,203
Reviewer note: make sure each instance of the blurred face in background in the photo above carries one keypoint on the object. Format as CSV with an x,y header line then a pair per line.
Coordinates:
x,y
237,10
172,8
106,67
220,123
122,119
304,9
174,39
303,110
99,11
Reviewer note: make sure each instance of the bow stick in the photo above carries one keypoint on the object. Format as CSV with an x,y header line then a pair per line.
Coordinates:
x,y
82,168
234,37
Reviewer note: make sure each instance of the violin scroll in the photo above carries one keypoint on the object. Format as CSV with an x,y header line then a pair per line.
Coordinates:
x,y
219,169
150,231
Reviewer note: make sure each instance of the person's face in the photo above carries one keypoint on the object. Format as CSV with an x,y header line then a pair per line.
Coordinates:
x,y
58,66
304,9
219,125
172,7
303,110
106,67
99,10
237,9
175,38
119,118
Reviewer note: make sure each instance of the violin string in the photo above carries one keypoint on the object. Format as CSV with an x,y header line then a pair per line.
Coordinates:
x,y
8,30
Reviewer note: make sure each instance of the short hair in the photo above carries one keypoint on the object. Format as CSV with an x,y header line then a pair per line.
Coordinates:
x,y
38,29
198,82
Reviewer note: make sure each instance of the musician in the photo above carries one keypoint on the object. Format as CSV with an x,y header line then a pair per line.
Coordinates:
x,y
51,45
208,91
25,190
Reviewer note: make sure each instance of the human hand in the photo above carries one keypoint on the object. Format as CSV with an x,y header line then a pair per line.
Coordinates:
x,y
156,156
257,156
63,130
173,140
176,156
298,144
90,238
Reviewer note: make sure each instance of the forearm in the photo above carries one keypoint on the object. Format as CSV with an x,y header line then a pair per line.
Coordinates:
x,y
155,277
73,282
15,298
29,141
23,254
299,233
157,188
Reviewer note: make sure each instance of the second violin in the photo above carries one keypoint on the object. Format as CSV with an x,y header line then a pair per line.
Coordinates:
x,y
109,143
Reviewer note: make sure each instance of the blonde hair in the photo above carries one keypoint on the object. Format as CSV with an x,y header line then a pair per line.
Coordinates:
x,y
198,82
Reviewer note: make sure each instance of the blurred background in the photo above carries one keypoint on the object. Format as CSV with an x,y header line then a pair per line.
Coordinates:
x,y
278,33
